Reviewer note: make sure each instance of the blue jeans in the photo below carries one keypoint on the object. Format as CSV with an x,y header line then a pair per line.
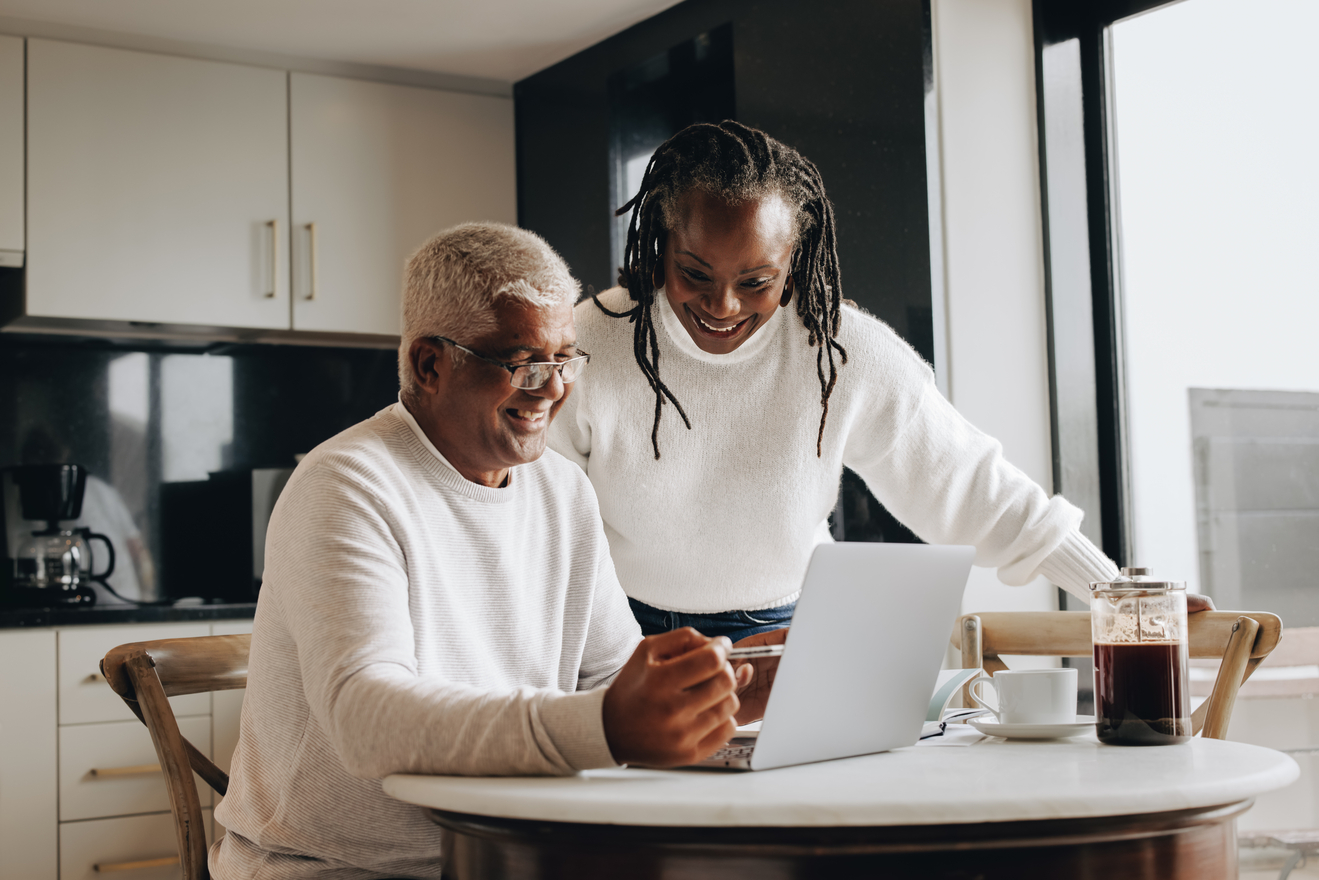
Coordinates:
x,y
734,624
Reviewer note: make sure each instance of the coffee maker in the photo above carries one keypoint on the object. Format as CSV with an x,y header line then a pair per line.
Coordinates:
x,y
51,565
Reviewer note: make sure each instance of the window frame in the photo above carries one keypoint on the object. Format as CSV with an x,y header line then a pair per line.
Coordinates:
x,y
1082,262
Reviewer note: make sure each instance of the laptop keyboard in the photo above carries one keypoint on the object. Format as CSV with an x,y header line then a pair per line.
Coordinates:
x,y
734,751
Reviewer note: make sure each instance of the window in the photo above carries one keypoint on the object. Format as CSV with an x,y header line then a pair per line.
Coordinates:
x,y
1181,236
1215,117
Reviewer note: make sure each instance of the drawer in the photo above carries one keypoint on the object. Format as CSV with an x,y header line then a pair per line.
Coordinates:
x,y
84,695
117,746
117,843
226,706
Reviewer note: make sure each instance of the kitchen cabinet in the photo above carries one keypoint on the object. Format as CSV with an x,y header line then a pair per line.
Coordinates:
x,y
377,169
60,722
157,188
29,769
160,189
11,151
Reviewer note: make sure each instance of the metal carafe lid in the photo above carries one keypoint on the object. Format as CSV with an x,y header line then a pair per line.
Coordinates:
x,y
1134,578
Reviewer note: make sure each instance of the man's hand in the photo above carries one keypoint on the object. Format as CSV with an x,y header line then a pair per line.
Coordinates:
x,y
673,702
753,692
1196,602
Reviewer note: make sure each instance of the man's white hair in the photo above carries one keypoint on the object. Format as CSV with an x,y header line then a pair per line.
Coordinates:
x,y
454,282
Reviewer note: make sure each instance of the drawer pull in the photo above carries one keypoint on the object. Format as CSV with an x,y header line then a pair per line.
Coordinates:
x,y
140,865
135,770
95,678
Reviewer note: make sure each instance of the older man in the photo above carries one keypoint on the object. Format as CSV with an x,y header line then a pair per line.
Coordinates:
x,y
439,596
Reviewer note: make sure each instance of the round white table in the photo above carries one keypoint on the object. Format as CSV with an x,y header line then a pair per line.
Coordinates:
x,y
1000,808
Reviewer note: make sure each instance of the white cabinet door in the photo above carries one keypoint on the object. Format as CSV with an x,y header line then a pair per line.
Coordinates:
x,y
29,775
157,188
379,169
11,151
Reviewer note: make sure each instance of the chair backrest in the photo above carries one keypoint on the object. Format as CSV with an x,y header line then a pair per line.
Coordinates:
x,y
1241,639
146,675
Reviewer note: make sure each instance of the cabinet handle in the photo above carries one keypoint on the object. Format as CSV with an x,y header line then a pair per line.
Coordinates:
x,y
311,254
139,865
115,772
274,259
94,678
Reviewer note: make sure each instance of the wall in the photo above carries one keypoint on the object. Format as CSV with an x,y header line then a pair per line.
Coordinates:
x,y
993,254
842,83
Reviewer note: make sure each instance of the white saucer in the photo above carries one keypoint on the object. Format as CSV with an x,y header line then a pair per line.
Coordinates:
x,y
988,726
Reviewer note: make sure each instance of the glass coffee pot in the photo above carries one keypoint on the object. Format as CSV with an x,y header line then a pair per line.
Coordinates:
x,y
54,565
60,559
1138,625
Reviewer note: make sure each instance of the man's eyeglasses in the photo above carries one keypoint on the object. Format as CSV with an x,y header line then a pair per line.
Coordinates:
x,y
530,377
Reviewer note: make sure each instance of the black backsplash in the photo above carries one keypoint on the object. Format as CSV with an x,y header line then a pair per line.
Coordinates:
x,y
138,416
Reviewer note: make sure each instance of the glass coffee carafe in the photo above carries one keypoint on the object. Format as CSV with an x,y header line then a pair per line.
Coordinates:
x,y
54,565
60,559
1138,625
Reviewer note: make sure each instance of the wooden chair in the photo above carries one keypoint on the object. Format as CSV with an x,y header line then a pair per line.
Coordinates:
x,y
145,675
1240,639
1295,668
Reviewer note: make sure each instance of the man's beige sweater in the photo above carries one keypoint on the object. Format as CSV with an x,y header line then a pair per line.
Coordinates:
x,y
412,621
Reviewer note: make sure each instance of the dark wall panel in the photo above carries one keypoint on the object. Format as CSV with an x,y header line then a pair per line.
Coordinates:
x,y
841,82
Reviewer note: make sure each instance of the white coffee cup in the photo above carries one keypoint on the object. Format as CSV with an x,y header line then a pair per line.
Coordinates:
x,y
1030,696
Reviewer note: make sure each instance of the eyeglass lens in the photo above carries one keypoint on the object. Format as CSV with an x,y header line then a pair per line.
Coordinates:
x,y
533,376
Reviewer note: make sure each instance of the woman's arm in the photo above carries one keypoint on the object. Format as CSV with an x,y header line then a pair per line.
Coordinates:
x,y
950,484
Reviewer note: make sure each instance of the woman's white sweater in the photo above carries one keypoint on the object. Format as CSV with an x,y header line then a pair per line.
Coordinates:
x,y
727,517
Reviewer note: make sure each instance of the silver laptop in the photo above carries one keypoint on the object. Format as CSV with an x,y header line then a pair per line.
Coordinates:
x,y
862,658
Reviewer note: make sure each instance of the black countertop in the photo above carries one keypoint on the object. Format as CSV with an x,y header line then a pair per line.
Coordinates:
x,y
13,618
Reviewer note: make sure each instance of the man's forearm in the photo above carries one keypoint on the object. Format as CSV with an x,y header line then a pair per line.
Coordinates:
x,y
385,720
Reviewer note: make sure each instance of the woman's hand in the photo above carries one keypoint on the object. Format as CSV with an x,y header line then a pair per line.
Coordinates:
x,y
753,687
1197,602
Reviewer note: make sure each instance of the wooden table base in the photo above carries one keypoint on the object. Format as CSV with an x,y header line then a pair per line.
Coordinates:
x,y
1195,844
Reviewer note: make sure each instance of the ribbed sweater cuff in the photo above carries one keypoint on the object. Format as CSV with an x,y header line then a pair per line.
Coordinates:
x,y
575,723
1075,563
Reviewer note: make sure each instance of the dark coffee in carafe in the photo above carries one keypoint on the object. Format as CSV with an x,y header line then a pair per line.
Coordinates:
x,y
1139,694
1138,628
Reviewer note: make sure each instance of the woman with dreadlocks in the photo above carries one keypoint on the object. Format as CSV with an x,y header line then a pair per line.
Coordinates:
x,y
731,382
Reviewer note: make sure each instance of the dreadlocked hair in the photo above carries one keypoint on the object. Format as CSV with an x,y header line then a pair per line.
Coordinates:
x,y
737,164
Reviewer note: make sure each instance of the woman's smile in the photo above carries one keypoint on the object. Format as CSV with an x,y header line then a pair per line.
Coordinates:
x,y
717,329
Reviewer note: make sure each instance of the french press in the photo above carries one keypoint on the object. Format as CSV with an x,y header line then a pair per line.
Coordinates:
x,y
1138,625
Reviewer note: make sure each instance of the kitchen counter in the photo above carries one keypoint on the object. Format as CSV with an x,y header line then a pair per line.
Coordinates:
x,y
12,618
